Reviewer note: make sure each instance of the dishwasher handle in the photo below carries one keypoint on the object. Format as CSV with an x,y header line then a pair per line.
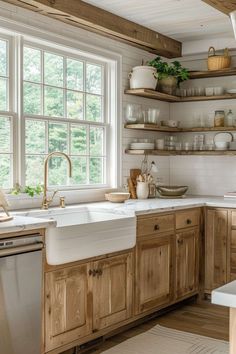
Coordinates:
x,y
21,249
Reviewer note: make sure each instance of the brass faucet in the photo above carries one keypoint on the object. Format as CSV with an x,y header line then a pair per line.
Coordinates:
x,y
46,201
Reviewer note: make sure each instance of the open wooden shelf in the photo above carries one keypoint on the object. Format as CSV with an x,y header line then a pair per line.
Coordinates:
x,y
152,94
156,95
226,96
181,152
212,73
153,127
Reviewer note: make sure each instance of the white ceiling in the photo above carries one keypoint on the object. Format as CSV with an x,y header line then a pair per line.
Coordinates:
x,y
185,20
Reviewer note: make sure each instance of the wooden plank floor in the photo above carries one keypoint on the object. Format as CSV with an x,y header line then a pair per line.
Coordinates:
x,y
204,319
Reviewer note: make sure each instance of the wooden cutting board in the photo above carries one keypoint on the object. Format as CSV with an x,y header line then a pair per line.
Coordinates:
x,y
132,182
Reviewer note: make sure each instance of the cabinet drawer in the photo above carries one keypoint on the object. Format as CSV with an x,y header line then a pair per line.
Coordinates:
x,y
155,224
187,218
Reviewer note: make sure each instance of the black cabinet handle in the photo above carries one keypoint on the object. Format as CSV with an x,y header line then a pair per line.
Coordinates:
x,y
156,227
189,222
92,272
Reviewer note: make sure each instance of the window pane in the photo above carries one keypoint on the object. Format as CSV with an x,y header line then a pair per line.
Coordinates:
x,y
53,102
74,74
3,58
57,137
96,170
93,108
3,94
5,171
5,134
96,141
32,64
74,105
58,171
78,140
32,98
94,79
35,137
53,69
34,170
79,172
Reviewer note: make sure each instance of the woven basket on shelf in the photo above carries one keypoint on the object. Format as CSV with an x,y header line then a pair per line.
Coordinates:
x,y
218,62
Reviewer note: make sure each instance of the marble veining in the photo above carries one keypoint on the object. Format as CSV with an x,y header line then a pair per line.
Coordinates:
x,y
22,223
36,218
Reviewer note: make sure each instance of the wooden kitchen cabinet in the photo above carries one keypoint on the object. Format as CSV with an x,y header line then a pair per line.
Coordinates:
x,y
85,298
216,240
154,271
68,306
187,262
112,290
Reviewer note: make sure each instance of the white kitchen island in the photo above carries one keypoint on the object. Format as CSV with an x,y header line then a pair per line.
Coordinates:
x,y
226,296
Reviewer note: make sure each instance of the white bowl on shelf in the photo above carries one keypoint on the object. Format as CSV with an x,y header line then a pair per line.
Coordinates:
x,y
221,145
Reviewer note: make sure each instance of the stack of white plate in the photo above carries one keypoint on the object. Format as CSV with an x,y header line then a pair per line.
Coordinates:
x,y
231,91
142,146
222,140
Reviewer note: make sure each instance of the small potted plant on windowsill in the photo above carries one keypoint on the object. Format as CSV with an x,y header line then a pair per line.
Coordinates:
x,y
169,75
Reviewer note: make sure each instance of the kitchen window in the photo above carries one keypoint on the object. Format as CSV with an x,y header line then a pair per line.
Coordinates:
x,y
6,116
62,105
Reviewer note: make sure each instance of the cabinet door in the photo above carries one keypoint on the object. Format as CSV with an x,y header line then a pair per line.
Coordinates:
x,y
216,248
112,290
68,304
154,276
187,267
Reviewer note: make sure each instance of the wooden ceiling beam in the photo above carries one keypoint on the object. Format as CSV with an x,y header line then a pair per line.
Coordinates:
x,y
83,15
225,6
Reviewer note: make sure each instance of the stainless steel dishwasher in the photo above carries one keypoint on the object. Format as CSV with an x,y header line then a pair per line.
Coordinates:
x,y
20,294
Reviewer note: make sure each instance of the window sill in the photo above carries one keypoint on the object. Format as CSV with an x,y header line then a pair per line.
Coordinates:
x,y
24,201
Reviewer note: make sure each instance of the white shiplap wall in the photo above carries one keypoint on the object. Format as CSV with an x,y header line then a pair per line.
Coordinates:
x,y
205,175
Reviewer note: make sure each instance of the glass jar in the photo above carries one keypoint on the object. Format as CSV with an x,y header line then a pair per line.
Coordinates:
x,y
219,120
229,118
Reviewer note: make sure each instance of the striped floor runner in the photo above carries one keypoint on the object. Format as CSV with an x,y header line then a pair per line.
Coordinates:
x,y
162,340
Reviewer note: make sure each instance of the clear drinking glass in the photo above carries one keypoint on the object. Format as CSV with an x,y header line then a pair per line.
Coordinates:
x,y
132,113
153,115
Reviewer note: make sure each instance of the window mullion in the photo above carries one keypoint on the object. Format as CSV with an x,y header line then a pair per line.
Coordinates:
x,y
88,153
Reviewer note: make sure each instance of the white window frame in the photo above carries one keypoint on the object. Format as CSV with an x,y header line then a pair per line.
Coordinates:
x,y
12,105
105,124
112,63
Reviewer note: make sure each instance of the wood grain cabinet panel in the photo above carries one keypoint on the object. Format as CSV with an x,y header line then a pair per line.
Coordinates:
x,y
154,272
112,290
216,236
67,307
187,262
155,224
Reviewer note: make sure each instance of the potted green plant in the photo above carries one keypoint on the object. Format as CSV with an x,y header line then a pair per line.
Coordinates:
x,y
169,75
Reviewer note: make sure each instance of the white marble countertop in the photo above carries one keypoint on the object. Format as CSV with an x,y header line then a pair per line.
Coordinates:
x,y
22,223
25,220
146,206
225,295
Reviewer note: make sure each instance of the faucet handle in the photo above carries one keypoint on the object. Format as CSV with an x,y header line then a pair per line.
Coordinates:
x,y
52,197
62,202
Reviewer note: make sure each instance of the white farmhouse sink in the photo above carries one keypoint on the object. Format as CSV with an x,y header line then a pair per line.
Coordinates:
x,y
84,232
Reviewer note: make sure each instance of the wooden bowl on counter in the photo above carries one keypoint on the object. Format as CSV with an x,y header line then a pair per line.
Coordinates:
x,y
172,191
117,197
